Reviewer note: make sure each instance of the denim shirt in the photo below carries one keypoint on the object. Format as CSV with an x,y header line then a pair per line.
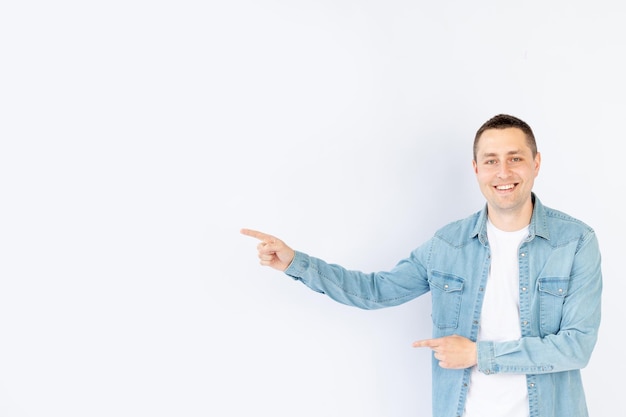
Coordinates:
x,y
560,285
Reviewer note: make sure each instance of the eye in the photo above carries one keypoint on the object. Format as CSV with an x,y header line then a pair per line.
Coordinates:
x,y
490,161
516,159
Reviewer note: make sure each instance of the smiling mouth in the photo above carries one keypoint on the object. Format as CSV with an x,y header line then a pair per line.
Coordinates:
x,y
504,187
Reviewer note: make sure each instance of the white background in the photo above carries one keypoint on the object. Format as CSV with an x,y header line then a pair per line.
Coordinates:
x,y
138,137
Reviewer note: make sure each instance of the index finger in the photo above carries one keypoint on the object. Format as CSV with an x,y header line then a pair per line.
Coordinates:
x,y
256,234
426,343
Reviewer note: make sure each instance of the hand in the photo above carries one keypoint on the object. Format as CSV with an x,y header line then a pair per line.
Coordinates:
x,y
273,252
453,352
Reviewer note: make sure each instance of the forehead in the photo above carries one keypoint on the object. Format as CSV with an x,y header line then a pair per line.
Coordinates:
x,y
502,141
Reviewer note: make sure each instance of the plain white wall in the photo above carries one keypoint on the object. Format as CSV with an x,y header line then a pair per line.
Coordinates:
x,y
138,137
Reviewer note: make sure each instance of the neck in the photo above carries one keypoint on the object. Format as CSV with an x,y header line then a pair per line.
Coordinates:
x,y
511,220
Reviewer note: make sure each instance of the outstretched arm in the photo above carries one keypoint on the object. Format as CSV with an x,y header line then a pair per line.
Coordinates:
x,y
272,251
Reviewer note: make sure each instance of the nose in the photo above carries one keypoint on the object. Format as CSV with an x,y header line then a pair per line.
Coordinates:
x,y
504,171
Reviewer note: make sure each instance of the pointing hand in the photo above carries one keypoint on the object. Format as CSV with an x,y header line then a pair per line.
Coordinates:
x,y
273,252
452,352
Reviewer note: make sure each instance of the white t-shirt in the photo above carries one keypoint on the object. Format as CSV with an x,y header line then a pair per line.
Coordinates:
x,y
504,394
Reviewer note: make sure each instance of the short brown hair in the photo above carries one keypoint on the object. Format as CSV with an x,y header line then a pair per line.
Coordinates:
x,y
504,121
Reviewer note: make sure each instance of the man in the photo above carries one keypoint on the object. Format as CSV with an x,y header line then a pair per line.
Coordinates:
x,y
516,290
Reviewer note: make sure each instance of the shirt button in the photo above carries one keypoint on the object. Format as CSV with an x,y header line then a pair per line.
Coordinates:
x,y
560,290
523,254
525,323
523,288
445,286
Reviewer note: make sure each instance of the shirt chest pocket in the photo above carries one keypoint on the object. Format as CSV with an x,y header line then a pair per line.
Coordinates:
x,y
446,292
552,292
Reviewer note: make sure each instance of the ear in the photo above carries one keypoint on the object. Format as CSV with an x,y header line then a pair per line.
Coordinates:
x,y
475,166
537,163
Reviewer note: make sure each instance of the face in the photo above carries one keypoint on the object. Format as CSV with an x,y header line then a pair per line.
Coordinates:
x,y
506,170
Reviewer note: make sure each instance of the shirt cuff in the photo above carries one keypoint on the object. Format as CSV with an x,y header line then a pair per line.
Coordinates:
x,y
298,266
486,356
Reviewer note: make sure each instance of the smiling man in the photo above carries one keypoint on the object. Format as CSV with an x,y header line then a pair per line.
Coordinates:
x,y
506,163
515,288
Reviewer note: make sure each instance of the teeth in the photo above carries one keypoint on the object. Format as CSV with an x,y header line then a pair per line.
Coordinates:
x,y
505,187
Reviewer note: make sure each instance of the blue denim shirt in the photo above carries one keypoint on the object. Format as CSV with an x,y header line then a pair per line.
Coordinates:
x,y
560,285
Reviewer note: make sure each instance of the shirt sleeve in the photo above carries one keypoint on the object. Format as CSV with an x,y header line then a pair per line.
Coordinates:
x,y
406,281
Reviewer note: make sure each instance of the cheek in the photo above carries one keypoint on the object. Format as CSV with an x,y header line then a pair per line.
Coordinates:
x,y
531,172
482,176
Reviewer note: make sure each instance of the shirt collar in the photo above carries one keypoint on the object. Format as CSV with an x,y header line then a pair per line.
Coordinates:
x,y
538,222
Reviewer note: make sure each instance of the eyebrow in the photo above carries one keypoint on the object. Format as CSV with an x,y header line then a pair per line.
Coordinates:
x,y
513,152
